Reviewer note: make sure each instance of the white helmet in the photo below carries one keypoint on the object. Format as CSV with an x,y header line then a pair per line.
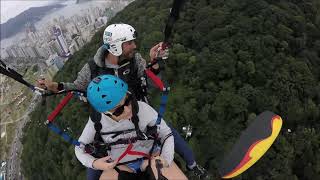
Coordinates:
x,y
116,34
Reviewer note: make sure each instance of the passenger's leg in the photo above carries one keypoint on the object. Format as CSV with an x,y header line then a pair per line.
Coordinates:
x,y
111,174
171,173
93,174
181,147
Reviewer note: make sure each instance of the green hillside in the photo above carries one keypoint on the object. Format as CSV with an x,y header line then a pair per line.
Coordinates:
x,y
230,61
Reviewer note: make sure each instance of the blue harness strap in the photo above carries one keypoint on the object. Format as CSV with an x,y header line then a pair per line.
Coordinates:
x,y
64,135
163,104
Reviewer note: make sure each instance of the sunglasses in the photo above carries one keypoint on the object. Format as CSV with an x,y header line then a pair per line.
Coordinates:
x,y
119,110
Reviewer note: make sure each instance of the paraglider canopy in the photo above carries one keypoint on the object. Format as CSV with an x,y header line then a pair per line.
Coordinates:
x,y
252,144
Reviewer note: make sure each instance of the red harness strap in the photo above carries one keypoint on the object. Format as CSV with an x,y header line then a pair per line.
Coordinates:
x,y
57,110
156,80
129,152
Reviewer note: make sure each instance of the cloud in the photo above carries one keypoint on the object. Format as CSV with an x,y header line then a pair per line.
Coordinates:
x,y
12,8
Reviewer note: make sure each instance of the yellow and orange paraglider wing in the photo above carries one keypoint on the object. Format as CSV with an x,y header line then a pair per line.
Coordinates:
x,y
252,144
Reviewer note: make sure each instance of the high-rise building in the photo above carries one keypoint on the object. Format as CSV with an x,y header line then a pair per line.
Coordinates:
x,y
4,53
61,40
43,52
16,51
72,28
21,51
9,52
55,47
33,37
79,41
31,51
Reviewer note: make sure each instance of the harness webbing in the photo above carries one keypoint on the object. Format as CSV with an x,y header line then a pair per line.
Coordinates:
x,y
156,80
60,106
64,135
128,151
117,133
54,114
163,104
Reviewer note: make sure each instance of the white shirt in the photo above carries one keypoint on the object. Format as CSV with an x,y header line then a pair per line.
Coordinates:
x,y
147,117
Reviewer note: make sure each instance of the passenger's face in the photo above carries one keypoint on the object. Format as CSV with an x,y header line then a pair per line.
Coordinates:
x,y
122,111
128,49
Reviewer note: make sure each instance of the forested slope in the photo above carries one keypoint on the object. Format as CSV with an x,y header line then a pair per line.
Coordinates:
x,y
230,61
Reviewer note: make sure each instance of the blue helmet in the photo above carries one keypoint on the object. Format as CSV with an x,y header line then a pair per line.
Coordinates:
x,y
105,92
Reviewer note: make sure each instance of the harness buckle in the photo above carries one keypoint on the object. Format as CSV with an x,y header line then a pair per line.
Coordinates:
x,y
89,148
142,135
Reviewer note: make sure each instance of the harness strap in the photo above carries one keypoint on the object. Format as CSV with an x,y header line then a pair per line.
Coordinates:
x,y
93,68
123,163
135,118
64,135
167,136
54,114
157,81
151,134
163,104
117,133
60,106
128,151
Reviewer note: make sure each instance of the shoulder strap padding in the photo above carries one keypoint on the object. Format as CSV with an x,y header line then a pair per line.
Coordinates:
x,y
93,68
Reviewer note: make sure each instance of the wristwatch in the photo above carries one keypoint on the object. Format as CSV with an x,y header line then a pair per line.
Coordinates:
x,y
60,86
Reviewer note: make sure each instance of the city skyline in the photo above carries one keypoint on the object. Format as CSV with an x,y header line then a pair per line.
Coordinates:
x,y
82,25
67,11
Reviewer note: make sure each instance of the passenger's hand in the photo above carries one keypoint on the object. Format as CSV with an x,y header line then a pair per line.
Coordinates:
x,y
104,163
47,85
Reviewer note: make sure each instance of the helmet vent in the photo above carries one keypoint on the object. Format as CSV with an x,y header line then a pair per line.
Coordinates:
x,y
115,81
122,84
103,96
108,102
98,89
106,78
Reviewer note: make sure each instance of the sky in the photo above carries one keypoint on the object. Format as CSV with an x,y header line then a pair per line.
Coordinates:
x,y
11,8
